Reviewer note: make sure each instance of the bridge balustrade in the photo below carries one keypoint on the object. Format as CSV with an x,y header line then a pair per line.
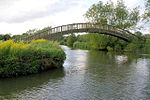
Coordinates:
x,y
82,27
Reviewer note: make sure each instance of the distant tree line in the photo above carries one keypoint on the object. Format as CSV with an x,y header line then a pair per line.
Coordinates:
x,y
5,37
22,36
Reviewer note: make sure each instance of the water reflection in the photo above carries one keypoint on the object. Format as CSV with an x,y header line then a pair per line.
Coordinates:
x,y
138,79
121,59
76,60
128,81
87,75
13,86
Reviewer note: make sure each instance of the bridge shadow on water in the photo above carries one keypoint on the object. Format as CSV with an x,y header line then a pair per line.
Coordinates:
x,y
12,86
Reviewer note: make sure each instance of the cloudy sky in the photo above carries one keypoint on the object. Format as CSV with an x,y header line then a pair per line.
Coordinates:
x,y
18,16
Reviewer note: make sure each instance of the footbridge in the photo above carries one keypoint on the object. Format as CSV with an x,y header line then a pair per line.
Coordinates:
x,y
80,28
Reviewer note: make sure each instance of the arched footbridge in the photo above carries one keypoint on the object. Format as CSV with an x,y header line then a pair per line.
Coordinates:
x,y
82,27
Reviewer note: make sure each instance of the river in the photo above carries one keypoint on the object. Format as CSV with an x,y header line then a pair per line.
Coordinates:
x,y
86,75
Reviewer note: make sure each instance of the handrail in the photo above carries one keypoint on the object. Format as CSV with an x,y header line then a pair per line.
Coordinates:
x,y
77,27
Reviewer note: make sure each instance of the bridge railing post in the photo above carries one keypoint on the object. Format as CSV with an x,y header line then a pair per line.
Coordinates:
x,y
81,27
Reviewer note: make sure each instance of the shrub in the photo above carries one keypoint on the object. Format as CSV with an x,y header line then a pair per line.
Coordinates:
x,y
131,47
22,59
71,39
80,45
109,48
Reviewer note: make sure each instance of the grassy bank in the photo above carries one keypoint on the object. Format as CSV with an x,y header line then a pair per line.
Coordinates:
x,y
22,59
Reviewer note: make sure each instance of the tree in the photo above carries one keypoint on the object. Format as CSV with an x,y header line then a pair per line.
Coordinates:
x,y
7,37
70,40
138,33
31,31
147,11
17,37
98,41
117,15
100,13
45,29
1,37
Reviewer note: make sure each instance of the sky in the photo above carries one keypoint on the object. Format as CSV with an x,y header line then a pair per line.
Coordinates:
x,y
18,16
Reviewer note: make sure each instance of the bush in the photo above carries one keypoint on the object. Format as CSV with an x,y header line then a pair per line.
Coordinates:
x,y
80,45
22,59
109,48
131,47
117,47
71,39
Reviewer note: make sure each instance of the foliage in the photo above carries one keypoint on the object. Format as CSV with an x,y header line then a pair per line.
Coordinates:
x,y
102,42
131,47
118,15
5,37
147,11
108,43
31,31
97,42
109,48
81,45
147,43
22,59
70,40
44,29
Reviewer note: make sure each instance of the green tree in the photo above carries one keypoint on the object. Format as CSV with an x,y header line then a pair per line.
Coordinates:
x,y
70,40
138,33
118,15
1,37
7,37
98,41
44,29
147,11
100,13
17,37
147,43
31,31
131,47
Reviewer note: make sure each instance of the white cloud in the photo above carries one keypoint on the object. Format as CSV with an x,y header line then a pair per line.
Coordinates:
x,y
18,16
23,10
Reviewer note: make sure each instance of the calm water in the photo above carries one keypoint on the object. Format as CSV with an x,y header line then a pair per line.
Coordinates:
x,y
86,75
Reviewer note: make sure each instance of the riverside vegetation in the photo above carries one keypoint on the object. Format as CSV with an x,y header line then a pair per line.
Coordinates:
x,y
21,59
118,15
102,42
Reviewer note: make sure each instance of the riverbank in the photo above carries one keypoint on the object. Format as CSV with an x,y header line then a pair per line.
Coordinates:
x,y
22,59
89,75
100,42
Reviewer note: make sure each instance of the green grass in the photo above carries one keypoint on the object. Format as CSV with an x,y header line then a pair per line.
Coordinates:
x,y
22,59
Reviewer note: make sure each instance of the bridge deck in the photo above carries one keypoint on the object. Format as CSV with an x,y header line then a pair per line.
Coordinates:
x,y
82,27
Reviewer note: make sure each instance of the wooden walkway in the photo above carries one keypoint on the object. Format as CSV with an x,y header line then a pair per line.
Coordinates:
x,y
82,27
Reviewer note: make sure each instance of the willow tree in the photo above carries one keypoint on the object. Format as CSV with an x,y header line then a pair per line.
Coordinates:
x,y
118,15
